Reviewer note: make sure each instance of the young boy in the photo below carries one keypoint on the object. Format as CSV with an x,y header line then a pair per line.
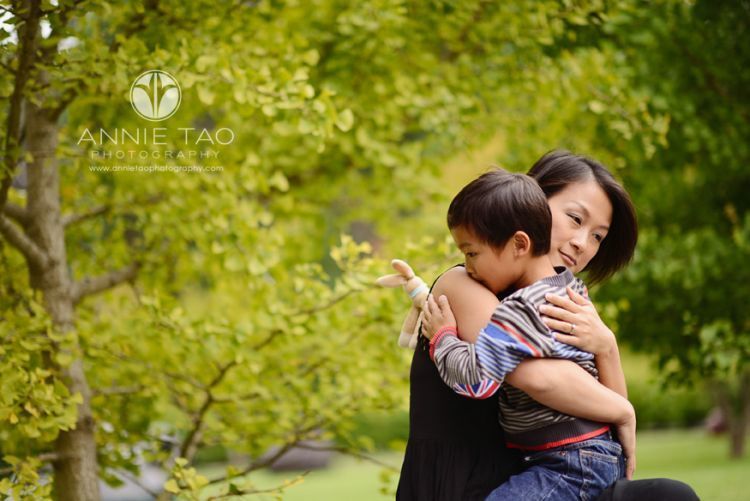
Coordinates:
x,y
502,223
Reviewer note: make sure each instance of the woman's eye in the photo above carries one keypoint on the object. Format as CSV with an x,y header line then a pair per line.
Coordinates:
x,y
471,254
575,218
598,238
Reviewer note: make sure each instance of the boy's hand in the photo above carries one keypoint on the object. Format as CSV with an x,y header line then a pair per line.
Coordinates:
x,y
436,316
626,434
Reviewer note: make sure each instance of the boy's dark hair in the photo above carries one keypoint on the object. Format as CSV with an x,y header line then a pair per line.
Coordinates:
x,y
558,169
497,204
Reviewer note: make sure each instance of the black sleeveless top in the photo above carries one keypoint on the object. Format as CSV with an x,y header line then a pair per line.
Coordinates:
x,y
456,450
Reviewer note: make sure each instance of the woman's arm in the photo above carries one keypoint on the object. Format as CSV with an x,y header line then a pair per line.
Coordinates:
x,y
566,387
559,384
590,334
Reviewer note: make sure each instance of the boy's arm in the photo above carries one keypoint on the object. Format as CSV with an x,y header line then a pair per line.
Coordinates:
x,y
475,304
498,351
456,360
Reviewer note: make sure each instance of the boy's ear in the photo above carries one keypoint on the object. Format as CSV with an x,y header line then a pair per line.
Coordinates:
x,y
521,243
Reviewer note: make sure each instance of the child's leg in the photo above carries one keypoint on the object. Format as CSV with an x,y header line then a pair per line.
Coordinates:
x,y
545,480
601,465
575,472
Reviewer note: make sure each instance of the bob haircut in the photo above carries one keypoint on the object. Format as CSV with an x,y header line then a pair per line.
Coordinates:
x,y
497,204
558,169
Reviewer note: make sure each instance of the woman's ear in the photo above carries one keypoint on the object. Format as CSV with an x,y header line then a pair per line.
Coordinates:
x,y
521,244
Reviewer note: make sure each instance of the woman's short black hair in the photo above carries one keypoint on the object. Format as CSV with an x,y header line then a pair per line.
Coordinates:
x,y
497,204
558,169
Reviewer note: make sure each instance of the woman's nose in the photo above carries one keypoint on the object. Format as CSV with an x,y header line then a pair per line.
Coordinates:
x,y
578,242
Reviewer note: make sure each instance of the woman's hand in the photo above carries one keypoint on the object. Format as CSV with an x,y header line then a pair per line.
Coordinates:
x,y
436,316
577,323
626,434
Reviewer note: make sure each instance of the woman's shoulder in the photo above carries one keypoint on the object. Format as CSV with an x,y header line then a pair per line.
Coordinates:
x,y
471,302
456,281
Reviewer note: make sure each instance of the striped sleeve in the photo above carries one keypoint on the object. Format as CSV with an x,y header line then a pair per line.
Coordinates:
x,y
480,391
456,361
515,332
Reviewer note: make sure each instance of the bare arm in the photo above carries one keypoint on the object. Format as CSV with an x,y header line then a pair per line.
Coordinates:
x,y
471,302
610,371
559,384
568,388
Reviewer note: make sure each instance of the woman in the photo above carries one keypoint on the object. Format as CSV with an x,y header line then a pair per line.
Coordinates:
x,y
456,449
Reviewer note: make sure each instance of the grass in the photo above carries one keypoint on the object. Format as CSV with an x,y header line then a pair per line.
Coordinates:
x,y
695,458
688,455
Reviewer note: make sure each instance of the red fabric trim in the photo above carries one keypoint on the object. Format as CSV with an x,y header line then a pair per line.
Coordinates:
x,y
558,443
448,330
518,338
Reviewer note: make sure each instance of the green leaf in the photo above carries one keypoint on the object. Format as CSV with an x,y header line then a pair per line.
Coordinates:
x,y
206,95
345,120
171,486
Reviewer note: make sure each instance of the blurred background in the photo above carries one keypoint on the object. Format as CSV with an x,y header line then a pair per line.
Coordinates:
x,y
201,288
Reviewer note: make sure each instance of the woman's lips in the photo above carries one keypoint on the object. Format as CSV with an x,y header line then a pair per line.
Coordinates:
x,y
569,261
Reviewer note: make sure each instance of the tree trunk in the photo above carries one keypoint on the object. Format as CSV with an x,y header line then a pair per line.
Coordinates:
x,y
738,424
76,473
734,401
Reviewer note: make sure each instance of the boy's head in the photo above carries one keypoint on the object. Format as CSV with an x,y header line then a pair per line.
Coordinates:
x,y
498,221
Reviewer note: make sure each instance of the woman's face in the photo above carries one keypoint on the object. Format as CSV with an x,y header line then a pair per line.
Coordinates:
x,y
581,215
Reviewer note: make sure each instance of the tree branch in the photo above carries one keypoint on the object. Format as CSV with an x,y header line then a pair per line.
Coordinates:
x,y
93,285
306,312
129,476
262,462
185,378
256,465
332,302
27,47
16,212
23,243
348,452
47,457
191,440
262,344
278,488
64,11
6,10
7,68
71,219
119,390
239,398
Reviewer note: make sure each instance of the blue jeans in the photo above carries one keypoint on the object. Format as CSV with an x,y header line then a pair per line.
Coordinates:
x,y
579,471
